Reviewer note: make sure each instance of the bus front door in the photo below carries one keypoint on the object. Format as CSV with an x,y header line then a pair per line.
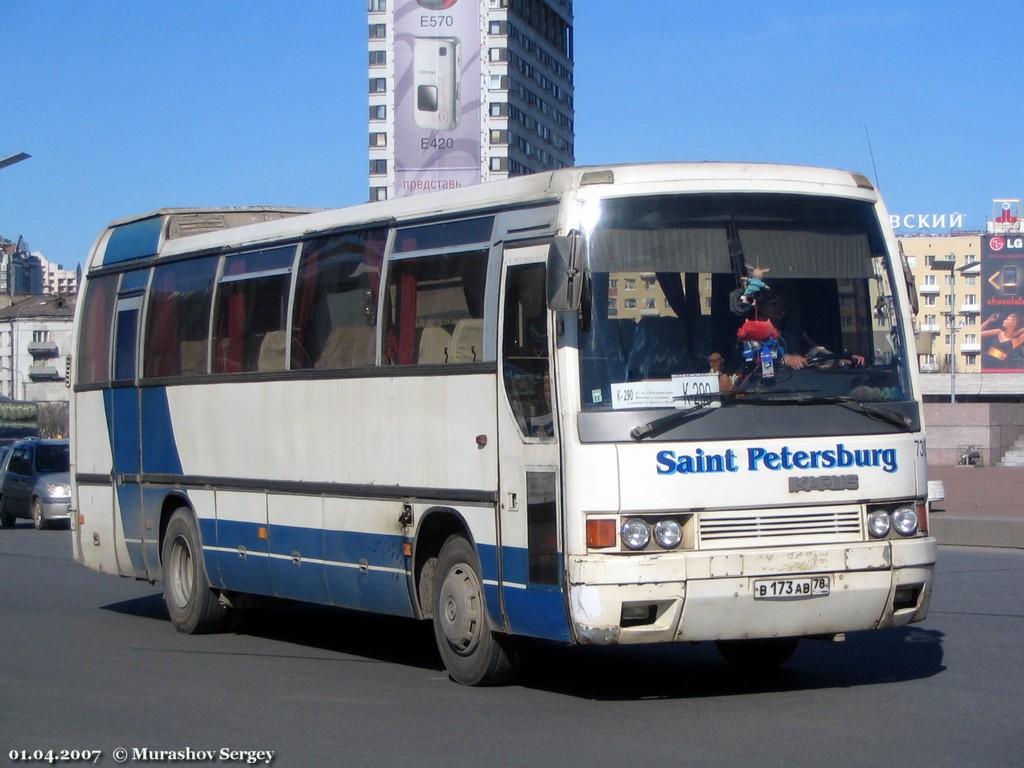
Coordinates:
x,y
529,541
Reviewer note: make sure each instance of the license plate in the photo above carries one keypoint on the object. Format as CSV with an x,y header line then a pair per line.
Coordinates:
x,y
791,589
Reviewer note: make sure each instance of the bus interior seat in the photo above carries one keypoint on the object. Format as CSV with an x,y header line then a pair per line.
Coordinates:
x,y
348,346
435,346
467,341
272,349
193,357
658,349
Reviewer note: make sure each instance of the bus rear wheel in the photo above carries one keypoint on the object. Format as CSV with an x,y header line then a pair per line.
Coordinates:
x,y
472,653
193,606
758,655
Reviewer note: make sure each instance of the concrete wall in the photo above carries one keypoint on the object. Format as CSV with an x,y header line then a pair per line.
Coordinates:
x,y
992,427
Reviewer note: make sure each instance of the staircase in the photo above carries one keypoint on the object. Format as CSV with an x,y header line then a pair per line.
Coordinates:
x,y
1014,456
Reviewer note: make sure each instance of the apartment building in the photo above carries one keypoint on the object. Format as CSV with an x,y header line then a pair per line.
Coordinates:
x,y
464,92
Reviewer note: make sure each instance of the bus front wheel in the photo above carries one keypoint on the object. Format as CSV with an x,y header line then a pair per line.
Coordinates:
x,y
758,655
193,606
472,653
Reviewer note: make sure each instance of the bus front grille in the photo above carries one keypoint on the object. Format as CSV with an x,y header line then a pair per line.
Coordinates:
x,y
726,529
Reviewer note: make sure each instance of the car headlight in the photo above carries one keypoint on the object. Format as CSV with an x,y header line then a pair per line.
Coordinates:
x,y
57,490
668,533
904,520
635,533
879,524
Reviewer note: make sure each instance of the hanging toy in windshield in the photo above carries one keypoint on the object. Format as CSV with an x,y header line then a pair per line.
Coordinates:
x,y
754,285
762,342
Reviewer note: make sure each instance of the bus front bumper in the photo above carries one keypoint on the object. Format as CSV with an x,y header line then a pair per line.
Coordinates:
x,y
684,596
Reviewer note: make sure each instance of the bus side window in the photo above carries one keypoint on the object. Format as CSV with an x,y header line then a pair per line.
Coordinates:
x,y
125,337
335,316
94,342
251,311
434,309
525,350
178,318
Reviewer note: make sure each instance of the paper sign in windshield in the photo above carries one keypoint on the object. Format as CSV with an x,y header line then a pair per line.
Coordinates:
x,y
696,389
682,391
643,394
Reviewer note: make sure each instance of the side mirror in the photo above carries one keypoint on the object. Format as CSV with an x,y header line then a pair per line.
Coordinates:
x,y
565,273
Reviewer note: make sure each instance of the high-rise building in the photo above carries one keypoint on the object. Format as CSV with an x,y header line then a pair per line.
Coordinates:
x,y
30,272
20,270
463,91
58,281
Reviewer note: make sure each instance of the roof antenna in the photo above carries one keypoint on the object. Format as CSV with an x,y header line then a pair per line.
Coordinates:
x,y
874,168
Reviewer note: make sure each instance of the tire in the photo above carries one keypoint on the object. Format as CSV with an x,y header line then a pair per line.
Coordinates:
x,y
758,655
472,653
193,606
6,518
38,519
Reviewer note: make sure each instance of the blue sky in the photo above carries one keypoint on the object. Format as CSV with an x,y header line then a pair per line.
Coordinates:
x,y
127,106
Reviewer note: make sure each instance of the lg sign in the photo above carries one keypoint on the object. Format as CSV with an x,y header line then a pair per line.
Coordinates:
x,y
997,243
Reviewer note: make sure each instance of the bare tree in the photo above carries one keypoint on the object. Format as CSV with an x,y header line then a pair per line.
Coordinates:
x,y
53,419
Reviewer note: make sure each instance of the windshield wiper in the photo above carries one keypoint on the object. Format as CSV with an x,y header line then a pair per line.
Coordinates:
x,y
665,423
851,404
788,397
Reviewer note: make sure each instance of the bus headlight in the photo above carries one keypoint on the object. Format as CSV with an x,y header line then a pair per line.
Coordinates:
x,y
635,533
668,533
879,524
904,520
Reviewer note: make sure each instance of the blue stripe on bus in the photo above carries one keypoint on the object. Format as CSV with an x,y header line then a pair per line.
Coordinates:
x,y
492,597
339,581
377,591
488,554
515,565
159,449
301,580
539,610
120,409
377,549
160,454
249,573
536,611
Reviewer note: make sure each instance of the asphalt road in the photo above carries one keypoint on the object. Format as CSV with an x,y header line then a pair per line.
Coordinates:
x,y
91,662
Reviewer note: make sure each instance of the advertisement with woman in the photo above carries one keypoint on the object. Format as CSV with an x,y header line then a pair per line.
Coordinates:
x,y
1002,330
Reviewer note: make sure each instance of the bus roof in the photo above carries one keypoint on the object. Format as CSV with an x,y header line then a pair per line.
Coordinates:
x,y
171,231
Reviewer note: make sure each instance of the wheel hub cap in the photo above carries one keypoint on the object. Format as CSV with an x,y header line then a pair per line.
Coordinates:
x,y
462,603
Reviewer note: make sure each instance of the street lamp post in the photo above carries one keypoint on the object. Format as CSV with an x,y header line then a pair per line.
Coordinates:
x,y
947,263
12,159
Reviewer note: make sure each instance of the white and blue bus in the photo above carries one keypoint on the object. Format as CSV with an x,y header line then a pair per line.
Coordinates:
x,y
493,408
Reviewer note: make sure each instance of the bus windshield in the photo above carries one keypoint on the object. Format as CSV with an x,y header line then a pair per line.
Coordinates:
x,y
666,299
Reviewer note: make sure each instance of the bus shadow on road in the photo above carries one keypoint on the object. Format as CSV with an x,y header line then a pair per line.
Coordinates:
x,y
148,607
695,670
373,637
684,670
